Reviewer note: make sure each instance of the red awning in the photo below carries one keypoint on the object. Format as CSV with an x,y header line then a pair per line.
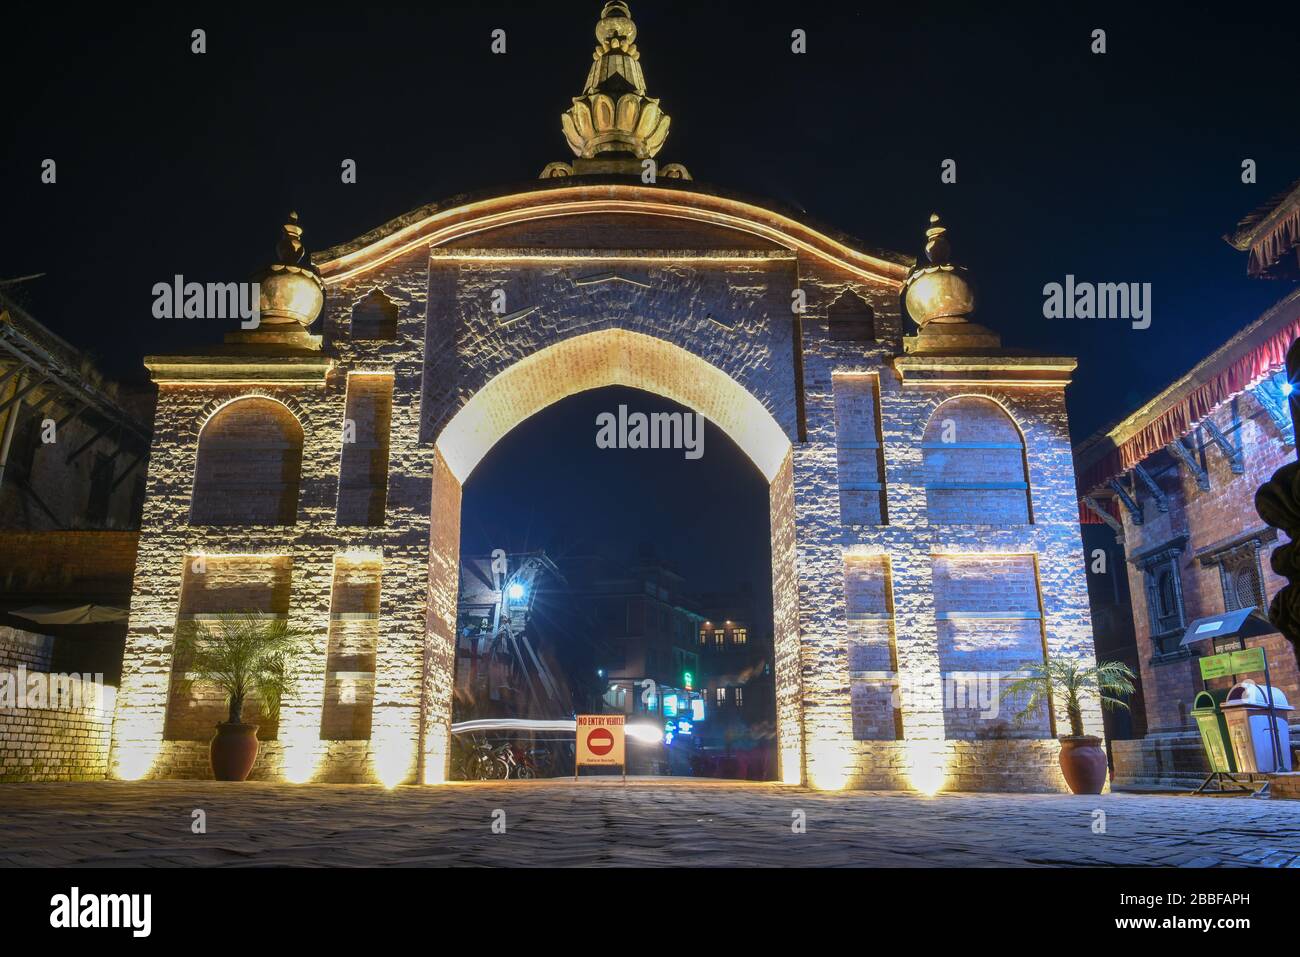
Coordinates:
x,y
1188,411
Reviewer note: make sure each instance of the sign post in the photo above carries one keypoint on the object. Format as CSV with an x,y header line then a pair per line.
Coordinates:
x,y
601,742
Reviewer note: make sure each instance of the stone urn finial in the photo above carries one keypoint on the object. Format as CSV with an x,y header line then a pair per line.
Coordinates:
x,y
289,250
938,292
292,292
940,299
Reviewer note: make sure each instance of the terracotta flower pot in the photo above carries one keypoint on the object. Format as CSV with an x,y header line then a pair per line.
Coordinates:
x,y
233,751
1083,762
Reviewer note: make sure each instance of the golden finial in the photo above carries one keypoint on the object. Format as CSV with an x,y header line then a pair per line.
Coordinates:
x,y
614,115
289,249
291,289
937,249
938,292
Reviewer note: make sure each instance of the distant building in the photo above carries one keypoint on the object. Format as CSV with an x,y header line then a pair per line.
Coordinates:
x,y
738,735
73,445
73,449
524,645
647,629
1175,481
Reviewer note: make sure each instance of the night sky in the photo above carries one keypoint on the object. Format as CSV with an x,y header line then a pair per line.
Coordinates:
x,y
1123,167
546,485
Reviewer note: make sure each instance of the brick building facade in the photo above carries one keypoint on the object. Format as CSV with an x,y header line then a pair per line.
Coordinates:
x,y
1176,482
924,521
72,451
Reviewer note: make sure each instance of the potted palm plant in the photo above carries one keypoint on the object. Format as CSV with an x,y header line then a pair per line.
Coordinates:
x,y
245,655
1083,759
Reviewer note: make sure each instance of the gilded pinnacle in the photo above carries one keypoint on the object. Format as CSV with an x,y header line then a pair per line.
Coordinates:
x,y
292,292
614,115
939,299
936,247
289,249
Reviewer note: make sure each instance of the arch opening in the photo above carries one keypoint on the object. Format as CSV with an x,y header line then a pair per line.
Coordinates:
x,y
582,364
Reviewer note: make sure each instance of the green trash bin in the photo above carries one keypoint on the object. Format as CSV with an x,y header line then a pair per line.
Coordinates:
x,y
1214,730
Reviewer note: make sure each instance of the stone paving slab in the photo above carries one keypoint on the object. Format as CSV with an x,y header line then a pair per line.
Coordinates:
x,y
602,822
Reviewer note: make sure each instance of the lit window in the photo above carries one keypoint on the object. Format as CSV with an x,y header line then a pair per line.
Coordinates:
x,y
740,697
739,636
722,696
719,637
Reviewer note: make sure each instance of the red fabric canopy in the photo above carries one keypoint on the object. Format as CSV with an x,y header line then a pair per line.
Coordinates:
x,y
1188,412
1280,241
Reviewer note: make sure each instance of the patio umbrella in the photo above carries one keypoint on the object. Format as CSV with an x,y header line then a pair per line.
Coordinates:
x,y
71,614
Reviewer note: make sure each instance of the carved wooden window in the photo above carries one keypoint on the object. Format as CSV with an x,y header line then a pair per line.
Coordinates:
x,y
1164,590
1241,574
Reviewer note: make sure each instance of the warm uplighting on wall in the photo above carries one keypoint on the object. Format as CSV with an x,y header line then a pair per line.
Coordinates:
x,y
789,738
392,745
137,741
927,766
300,738
826,765
435,753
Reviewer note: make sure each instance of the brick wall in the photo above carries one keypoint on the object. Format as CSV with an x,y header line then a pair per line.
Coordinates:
x,y
990,630
44,492
691,310
63,564
914,541
969,442
860,461
55,744
363,475
1208,519
17,647
221,586
353,642
248,466
872,660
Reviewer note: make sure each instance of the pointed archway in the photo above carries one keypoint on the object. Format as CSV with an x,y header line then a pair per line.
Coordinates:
x,y
578,364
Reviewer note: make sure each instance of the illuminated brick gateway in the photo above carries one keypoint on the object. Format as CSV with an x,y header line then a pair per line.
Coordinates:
x,y
922,497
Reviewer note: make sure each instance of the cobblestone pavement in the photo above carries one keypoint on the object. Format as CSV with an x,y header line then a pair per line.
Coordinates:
x,y
645,823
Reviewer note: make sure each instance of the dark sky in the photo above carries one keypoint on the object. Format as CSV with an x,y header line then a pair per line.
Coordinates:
x,y
1120,167
1123,167
546,485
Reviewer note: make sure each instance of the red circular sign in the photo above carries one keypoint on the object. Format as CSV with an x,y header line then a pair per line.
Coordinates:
x,y
600,742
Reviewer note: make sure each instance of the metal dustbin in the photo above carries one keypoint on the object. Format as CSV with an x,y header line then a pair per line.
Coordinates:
x,y
1251,725
1212,724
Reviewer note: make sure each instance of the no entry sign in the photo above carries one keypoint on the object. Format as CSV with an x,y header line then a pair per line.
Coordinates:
x,y
600,740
